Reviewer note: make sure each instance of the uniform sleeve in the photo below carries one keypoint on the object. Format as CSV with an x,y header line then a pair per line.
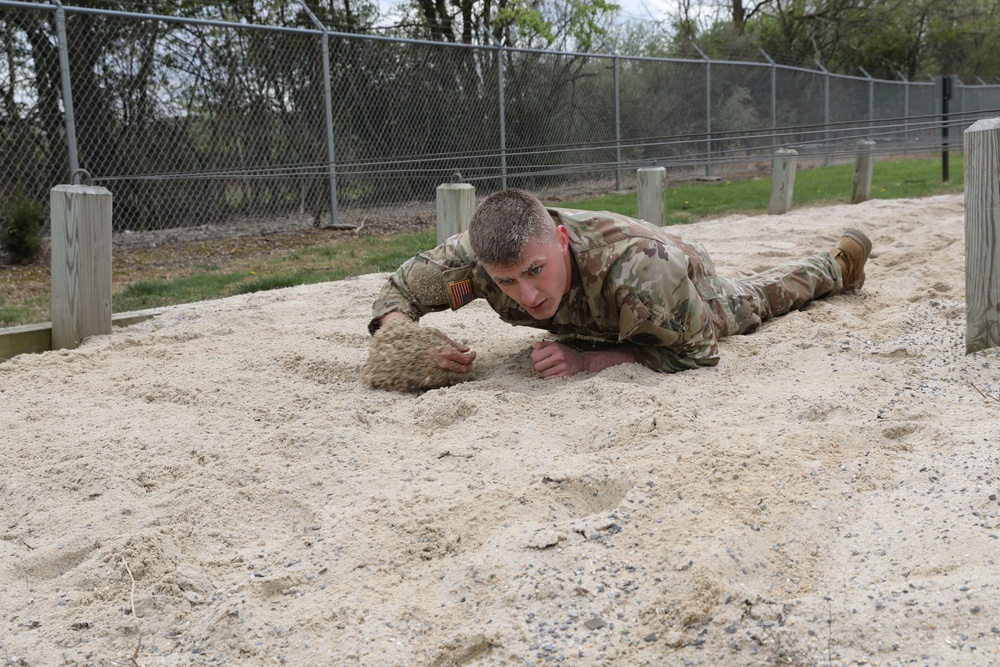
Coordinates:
x,y
420,285
661,313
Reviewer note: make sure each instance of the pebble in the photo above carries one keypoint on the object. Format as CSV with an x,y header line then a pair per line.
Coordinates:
x,y
596,623
674,639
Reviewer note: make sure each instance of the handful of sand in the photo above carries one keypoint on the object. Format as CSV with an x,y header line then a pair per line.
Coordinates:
x,y
404,356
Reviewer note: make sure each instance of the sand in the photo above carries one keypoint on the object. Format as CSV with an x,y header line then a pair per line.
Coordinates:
x,y
217,486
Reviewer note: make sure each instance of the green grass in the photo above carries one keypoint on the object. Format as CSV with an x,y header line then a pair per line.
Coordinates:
x,y
688,202
25,312
296,267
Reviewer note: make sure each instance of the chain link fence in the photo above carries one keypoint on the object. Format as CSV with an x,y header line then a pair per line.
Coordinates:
x,y
196,121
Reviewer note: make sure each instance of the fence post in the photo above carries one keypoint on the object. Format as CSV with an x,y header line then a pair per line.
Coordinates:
x,y
982,228
67,89
652,194
81,263
502,84
782,180
618,129
774,99
456,202
871,100
946,89
826,114
861,188
501,111
618,117
331,158
906,108
708,110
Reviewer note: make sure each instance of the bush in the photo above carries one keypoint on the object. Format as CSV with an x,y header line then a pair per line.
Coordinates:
x,y
21,237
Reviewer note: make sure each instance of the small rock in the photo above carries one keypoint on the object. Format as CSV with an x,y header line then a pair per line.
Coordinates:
x,y
595,623
544,537
674,639
651,637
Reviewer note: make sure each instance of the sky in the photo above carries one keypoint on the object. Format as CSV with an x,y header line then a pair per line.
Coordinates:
x,y
631,10
645,10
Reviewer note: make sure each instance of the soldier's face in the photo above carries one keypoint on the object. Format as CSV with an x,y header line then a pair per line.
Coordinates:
x,y
540,278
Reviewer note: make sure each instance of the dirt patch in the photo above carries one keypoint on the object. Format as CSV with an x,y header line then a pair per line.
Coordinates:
x,y
175,253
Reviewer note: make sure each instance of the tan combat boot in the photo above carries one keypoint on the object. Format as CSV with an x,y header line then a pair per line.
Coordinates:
x,y
851,253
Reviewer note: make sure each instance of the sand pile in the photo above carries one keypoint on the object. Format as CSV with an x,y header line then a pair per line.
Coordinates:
x,y
404,356
218,486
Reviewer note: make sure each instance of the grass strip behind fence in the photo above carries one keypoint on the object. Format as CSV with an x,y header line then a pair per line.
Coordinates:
x,y
343,258
822,186
304,266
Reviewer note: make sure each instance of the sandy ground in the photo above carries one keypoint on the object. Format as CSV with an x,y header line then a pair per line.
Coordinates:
x,y
215,486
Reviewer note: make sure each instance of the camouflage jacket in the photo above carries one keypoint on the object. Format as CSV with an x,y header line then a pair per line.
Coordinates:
x,y
631,285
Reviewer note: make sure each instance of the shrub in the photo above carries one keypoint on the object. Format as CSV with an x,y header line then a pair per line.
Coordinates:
x,y
21,237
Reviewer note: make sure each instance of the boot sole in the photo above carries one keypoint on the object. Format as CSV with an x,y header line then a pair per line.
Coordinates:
x,y
866,245
862,240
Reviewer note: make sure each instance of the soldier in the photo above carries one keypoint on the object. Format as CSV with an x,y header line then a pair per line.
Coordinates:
x,y
603,275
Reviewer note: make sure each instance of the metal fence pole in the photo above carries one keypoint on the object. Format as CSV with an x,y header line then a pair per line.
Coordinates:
x,y
871,101
774,99
618,131
618,118
331,167
826,114
906,108
502,85
502,111
67,89
708,111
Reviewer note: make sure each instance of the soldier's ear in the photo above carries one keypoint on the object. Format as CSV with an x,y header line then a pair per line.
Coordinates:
x,y
562,234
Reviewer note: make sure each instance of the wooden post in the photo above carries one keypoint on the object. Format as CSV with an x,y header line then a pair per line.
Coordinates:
x,y
782,180
861,189
982,229
81,263
456,202
652,193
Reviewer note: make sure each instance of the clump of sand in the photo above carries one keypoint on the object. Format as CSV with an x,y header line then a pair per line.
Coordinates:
x,y
404,356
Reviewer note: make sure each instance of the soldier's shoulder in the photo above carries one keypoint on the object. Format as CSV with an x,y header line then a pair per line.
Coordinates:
x,y
596,229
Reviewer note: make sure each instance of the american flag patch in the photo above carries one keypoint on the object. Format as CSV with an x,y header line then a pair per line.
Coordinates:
x,y
461,293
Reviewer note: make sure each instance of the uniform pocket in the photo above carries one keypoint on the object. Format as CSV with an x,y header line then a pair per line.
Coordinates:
x,y
638,324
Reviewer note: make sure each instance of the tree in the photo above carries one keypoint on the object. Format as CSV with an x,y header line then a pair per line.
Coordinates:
x,y
886,37
521,23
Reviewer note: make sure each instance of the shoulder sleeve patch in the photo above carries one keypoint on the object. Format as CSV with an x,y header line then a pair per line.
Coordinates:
x,y
460,293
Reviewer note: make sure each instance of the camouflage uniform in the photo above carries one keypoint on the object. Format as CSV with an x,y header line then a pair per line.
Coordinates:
x,y
632,284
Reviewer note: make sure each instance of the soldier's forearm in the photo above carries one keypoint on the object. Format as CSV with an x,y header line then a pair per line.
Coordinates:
x,y
597,361
666,360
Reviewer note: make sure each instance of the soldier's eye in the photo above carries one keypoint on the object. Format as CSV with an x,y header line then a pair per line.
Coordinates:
x,y
534,271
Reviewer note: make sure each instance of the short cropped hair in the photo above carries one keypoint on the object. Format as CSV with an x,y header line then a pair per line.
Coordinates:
x,y
503,224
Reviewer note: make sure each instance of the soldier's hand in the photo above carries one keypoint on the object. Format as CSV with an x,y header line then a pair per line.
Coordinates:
x,y
555,360
455,356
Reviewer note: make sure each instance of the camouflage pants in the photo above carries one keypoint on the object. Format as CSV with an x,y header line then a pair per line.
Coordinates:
x,y
740,305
